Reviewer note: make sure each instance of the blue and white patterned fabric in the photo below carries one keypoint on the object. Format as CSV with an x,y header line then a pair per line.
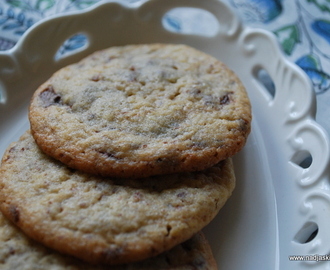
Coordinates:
x,y
302,28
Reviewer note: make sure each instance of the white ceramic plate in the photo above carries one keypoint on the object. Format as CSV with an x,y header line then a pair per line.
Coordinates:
x,y
281,206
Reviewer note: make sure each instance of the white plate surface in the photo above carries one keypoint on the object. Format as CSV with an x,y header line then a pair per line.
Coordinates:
x,y
278,202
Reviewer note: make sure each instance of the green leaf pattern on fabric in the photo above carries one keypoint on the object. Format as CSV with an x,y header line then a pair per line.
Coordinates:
x,y
44,4
323,5
81,4
288,36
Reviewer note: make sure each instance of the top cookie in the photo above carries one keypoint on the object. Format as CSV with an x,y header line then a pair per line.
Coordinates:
x,y
141,110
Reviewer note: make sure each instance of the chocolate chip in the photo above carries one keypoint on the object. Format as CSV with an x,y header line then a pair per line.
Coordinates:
x,y
109,155
14,213
224,99
109,59
12,149
244,125
168,228
210,69
182,194
96,78
110,254
49,97
168,161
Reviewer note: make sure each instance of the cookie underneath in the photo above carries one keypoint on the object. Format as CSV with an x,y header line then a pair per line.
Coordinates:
x,y
107,220
142,110
19,252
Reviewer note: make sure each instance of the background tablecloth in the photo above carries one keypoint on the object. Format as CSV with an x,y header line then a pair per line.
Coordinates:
x,y
302,28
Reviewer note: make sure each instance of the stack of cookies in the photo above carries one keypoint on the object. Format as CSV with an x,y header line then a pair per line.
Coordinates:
x,y
128,158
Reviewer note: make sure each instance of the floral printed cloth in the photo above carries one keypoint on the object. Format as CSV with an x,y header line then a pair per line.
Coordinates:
x,y
302,28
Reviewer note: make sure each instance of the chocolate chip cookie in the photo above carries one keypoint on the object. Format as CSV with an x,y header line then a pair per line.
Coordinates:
x,y
107,220
19,252
141,110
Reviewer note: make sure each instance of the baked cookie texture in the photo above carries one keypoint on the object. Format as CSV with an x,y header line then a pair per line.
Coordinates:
x,y
141,110
18,252
107,220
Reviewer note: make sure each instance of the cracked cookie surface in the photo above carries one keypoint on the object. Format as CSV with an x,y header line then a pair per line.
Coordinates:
x,y
107,220
141,110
